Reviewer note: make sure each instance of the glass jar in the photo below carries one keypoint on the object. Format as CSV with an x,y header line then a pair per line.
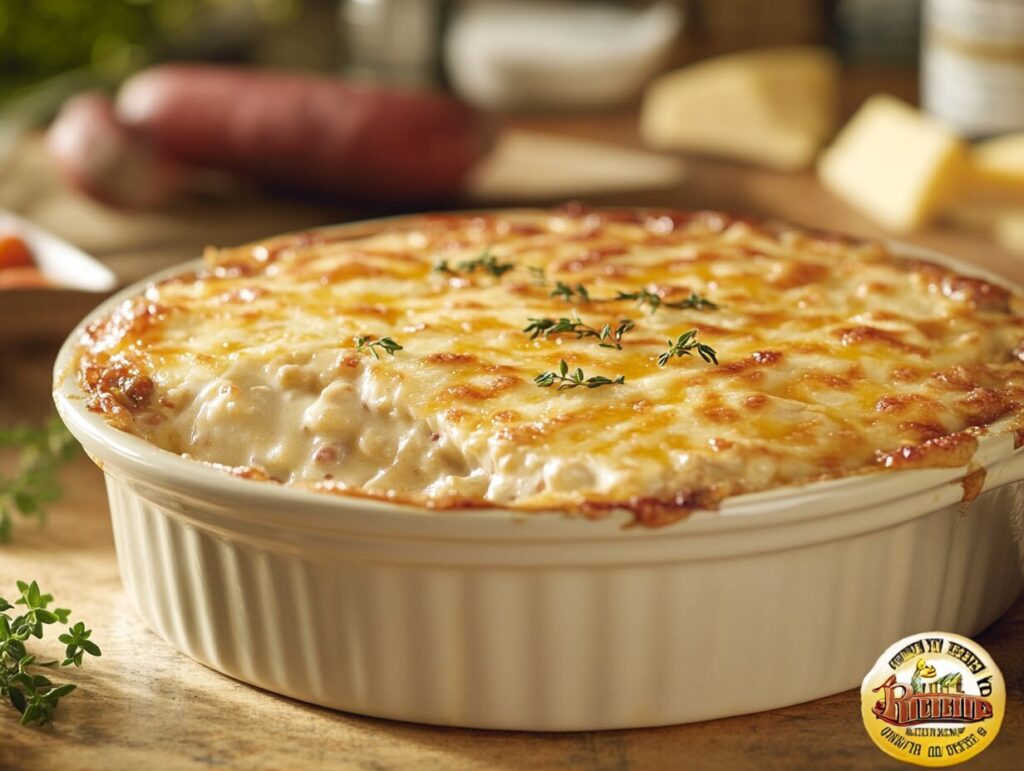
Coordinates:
x,y
972,64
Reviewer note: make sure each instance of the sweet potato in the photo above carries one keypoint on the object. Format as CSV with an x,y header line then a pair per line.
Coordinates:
x,y
306,132
106,160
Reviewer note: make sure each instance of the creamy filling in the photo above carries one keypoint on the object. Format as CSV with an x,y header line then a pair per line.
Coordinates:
x,y
280,418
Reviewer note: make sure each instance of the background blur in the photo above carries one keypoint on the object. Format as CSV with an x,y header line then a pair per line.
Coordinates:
x,y
59,44
729,104
40,39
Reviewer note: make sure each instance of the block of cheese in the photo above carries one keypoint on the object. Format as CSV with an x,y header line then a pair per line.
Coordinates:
x,y
774,107
896,165
997,165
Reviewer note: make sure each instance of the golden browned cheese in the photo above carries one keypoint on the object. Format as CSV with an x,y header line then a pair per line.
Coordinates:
x,y
834,357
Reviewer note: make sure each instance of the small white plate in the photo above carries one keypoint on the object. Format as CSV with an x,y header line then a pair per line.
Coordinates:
x,y
78,283
65,266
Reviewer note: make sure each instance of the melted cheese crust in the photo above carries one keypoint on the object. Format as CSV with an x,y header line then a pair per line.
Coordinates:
x,y
836,357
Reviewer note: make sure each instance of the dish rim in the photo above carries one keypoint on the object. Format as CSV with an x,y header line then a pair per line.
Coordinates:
x,y
241,498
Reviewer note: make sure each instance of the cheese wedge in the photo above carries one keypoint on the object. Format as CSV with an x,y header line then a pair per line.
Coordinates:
x,y
997,166
773,107
894,164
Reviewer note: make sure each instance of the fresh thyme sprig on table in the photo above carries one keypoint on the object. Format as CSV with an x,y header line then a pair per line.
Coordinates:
x,y
486,262
35,696
43,451
654,301
385,344
574,379
608,337
685,345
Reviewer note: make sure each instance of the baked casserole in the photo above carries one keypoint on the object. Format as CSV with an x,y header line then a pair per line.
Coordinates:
x,y
572,360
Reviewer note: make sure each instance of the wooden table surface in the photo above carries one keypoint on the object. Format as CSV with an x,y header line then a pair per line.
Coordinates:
x,y
143,705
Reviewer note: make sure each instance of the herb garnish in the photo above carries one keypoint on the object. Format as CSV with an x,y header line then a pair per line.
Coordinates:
x,y
43,451
654,301
608,337
537,273
643,297
695,301
486,262
576,378
684,346
570,293
34,695
385,344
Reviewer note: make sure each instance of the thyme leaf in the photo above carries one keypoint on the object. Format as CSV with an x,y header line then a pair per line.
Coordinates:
x,y
685,345
606,335
537,274
574,379
385,344
694,301
43,451
654,301
570,293
486,262
33,694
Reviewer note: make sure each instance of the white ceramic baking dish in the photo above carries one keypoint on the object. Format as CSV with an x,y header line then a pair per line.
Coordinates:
x,y
544,622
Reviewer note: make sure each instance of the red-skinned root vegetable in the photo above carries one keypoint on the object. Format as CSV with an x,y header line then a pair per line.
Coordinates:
x,y
106,160
306,132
